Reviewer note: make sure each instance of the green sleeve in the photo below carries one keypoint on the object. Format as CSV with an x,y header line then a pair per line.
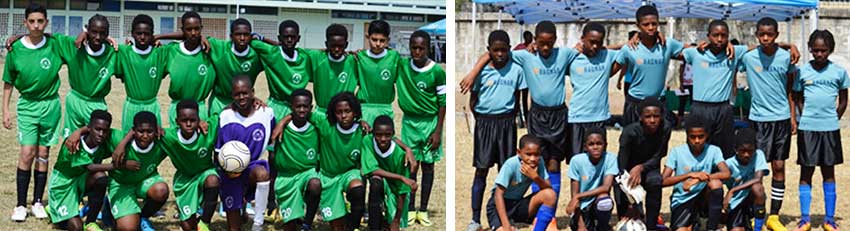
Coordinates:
x,y
321,122
212,125
440,82
368,163
64,46
262,48
9,72
164,57
217,47
78,159
118,59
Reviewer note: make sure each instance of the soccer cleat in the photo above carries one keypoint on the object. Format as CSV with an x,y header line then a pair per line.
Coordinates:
x,y
422,217
659,224
271,215
257,227
221,211
830,226
19,214
202,226
804,226
411,217
773,223
475,226
146,225
250,209
159,214
38,210
91,226
306,227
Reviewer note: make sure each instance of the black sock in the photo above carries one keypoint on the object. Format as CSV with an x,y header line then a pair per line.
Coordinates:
x,y
411,200
427,184
314,196
23,181
478,185
151,207
357,198
777,194
602,218
210,204
40,183
271,204
714,209
759,210
376,203
95,195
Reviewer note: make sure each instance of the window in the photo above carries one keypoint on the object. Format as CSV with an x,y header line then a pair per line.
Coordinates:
x,y
354,14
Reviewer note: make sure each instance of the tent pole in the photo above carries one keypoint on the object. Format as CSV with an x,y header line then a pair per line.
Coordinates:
x,y
671,22
472,30
500,20
788,24
803,32
813,19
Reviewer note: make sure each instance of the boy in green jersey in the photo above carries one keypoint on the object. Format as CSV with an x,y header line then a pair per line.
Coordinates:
x,y
33,69
137,156
296,160
141,67
333,70
287,67
190,149
377,69
390,180
191,71
79,173
422,98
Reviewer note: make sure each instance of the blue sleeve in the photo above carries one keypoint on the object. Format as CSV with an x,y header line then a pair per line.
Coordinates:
x,y
573,173
521,84
504,177
611,165
570,54
798,81
843,81
689,54
718,155
519,56
476,86
740,50
613,55
674,47
671,159
761,163
622,56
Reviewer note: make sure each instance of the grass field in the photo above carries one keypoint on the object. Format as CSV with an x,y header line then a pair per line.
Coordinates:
x,y
10,149
789,214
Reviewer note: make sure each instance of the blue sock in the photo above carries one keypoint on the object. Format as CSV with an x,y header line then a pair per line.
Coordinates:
x,y
759,217
759,222
535,188
805,201
829,201
478,185
555,180
544,216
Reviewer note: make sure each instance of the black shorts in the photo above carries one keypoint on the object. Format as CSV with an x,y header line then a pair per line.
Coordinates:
x,y
819,148
686,214
494,140
631,111
774,139
577,133
721,129
517,211
588,216
550,125
741,216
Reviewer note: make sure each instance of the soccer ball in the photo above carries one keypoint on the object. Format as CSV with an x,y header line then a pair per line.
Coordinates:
x,y
234,156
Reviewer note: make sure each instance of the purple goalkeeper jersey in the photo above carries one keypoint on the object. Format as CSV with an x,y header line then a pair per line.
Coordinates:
x,y
254,130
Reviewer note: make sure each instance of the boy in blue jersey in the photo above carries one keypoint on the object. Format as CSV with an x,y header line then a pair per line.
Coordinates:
x,y
625,79
745,199
699,174
515,177
591,176
495,101
819,84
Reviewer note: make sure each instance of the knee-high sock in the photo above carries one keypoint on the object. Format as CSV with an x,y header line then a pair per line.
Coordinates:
x,y
544,216
603,213
777,194
427,184
478,185
23,182
261,198
96,198
151,207
829,201
653,207
759,221
714,209
805,201
210,203
357,197
376,203
411,200
40,183
555,180
312,200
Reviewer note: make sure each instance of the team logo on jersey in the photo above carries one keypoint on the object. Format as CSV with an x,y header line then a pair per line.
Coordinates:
x,y
355,154
296,78
103,73
385,74
151,168
229,201
203,152
490,83
311,154
704,64
758,69
257,135
421,85
584,177
809,82
45,63
202,69
639,61
687,168
343,77
246,66
536,71
580,70
152,72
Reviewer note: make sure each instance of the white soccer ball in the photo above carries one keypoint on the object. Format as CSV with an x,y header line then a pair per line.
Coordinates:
x,y
234,156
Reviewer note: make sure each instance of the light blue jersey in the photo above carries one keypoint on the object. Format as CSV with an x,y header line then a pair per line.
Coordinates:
x,y
589,79
590,176
713,73
648,67
767,77
512,179
496,88
545,76
820,94
682,161
743,173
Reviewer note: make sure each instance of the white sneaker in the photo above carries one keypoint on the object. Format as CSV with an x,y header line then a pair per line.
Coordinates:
x,y
19,214
38,210
257,227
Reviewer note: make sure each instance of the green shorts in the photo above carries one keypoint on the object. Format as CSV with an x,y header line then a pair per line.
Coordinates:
x,y
37,121
78,109
372,111
189,191
172,112
65,195
133,106
123,196
280,108
391,193
289,191
217,104
415,132
332,205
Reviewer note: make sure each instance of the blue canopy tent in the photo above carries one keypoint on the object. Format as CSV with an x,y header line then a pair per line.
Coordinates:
x,y
436,29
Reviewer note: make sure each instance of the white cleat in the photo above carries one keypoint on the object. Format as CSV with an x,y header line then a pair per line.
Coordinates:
x,y
38,210
19,214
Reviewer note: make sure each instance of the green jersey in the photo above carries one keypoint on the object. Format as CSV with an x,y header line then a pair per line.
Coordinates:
x,y
391,161
284,73
191,72
298,151
142,70
330,76
228,62
340,149
33,68
148,158
377,74
190,155
421,91
88,70
74,164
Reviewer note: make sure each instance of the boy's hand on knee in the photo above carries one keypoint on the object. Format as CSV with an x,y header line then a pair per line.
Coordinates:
x,y
726,200
690,182
411,183
572,206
